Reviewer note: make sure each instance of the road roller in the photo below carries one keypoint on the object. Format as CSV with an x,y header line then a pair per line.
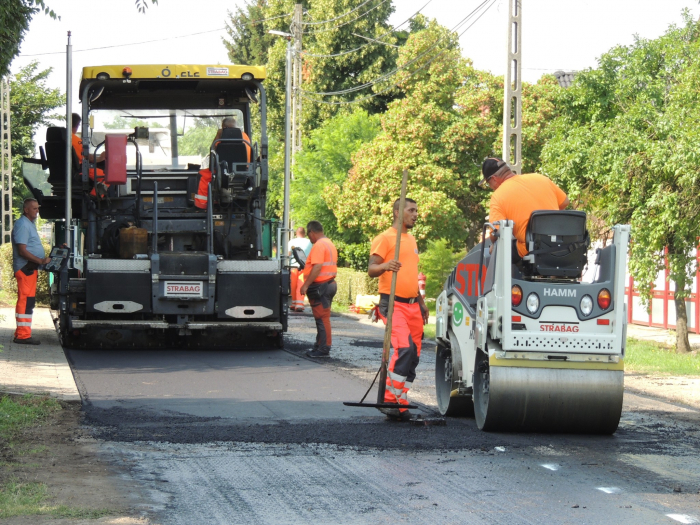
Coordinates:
x,y
531,346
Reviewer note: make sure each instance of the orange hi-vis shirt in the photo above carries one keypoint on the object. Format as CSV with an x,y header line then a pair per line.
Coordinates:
x,y
518,197
78,146
384,245
322,252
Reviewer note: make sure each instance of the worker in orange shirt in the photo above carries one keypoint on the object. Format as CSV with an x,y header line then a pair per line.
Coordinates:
x,y
78,147
410,313
320,286
515,197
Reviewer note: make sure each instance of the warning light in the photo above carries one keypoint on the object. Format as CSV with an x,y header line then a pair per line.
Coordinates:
x,y
127,72
516,295
604,299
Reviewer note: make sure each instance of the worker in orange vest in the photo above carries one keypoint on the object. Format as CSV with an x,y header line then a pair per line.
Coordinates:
x,y
77,143
410,313
202,195
320,286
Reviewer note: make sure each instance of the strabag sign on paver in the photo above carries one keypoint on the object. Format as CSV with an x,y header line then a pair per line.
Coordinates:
x,y
217,71
183,289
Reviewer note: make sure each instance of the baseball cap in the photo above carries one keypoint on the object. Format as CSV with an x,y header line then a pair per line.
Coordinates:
x,y
489,169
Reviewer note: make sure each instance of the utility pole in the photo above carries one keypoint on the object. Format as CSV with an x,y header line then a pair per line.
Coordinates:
x,y
5,162
297,30
512,92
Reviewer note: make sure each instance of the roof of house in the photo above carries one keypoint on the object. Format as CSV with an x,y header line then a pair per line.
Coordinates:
x,y
565,78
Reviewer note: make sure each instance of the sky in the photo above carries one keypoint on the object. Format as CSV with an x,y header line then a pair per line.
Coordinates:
x,y
564,35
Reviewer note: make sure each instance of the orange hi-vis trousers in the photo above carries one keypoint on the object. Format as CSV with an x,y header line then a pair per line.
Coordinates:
x,y
406,338
26,291
297,282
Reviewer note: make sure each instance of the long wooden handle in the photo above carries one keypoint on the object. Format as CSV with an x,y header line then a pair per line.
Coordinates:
x,y
381,388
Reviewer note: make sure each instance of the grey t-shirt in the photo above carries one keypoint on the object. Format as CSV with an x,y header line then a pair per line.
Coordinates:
x,y
24,232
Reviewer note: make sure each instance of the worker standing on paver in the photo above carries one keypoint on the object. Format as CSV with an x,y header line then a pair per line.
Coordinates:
x,y
300,241
410,313
27,255
320,286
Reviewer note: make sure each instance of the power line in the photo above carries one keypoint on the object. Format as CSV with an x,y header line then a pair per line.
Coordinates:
x,y
411,62
358,100
124,45
378,39
345,23
337,17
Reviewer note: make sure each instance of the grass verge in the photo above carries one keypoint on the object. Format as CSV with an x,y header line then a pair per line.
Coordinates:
x,y
31,499
651,357
17,413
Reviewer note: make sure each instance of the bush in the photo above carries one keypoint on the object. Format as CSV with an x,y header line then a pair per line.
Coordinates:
x,y
352,283
355,256
9,283
437,263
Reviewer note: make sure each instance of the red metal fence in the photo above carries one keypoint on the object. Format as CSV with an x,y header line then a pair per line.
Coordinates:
x,y
662,313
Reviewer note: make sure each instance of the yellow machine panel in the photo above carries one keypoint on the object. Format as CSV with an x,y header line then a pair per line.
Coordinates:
x,y
175,71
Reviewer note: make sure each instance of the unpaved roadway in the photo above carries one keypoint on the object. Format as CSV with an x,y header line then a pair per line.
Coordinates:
x,y
262,437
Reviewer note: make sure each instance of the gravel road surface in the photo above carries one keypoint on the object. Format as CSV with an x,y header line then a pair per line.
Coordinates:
x,y
262,437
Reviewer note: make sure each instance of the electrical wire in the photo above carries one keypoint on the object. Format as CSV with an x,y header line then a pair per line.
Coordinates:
x,y
411,62
378,39
337,17
152,41
125,45
345,23
359,100
271,18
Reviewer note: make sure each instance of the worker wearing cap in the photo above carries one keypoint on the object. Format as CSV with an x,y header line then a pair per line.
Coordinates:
x,y
300,241
27,255
320,286
515,197
410,313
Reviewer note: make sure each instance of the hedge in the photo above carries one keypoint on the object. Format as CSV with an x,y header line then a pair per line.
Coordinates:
x,y
9,283
352,283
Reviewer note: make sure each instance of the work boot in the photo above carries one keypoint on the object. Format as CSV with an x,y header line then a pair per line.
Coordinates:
x,y
394,414
28,341
316,352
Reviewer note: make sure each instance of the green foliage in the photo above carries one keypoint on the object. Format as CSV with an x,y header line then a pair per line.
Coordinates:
x,y
31,106
198,139
626,148
649,357
249,41
15,16
326,160
353,255
437,262
448,121
17,413
352,283
9,283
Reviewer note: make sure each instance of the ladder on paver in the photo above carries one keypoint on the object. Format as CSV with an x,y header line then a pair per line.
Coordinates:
x,y
5,163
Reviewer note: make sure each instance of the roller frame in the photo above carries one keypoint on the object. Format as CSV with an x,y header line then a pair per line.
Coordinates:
x,y
569,381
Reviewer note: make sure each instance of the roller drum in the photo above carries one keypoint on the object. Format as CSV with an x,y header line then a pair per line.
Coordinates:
x,y
509,398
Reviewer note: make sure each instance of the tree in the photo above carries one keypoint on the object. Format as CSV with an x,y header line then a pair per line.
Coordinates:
x,y
321,73
626,147
440,130
326,160
437,263
249,41
15,16
31,105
